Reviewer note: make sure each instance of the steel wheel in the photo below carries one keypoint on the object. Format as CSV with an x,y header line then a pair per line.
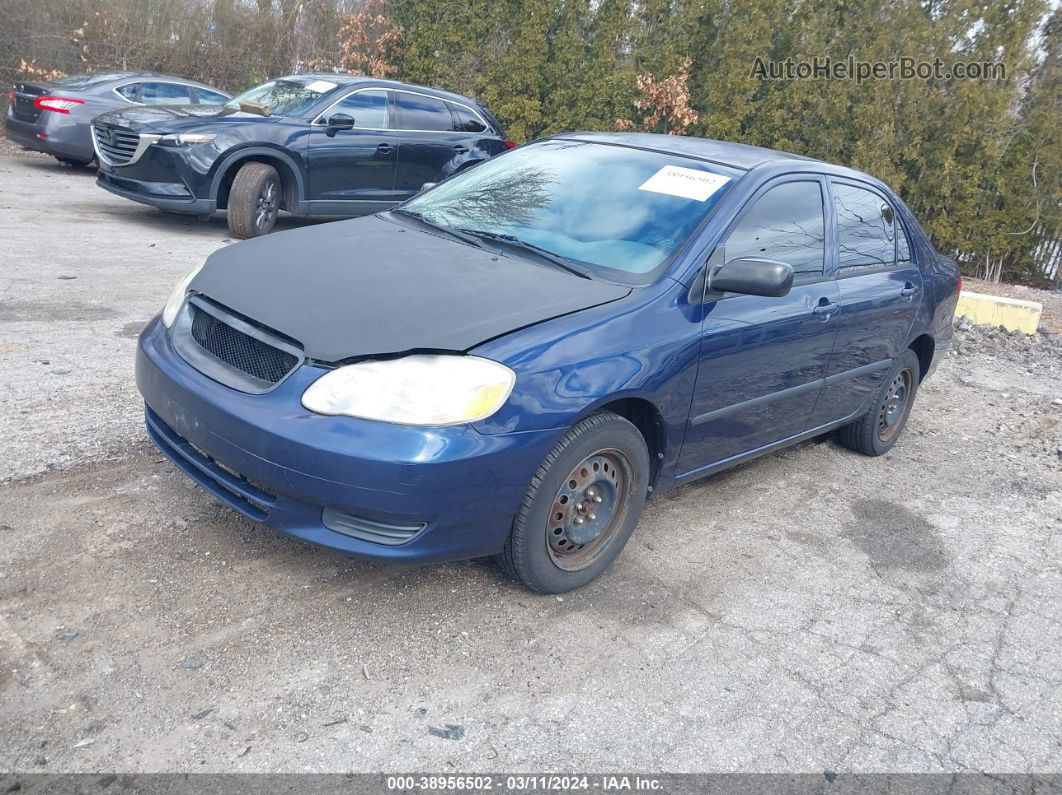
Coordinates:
x,y
895,406
589,509
266,207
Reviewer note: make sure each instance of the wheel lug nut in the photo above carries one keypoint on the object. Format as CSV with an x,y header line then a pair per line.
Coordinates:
x,y
578,520
597,499
592,516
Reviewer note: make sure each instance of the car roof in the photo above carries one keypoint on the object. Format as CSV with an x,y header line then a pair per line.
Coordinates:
x,y
726,153
105,77
348,79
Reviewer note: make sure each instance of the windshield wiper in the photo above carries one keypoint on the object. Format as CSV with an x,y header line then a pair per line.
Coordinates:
x,y
543,253
456,234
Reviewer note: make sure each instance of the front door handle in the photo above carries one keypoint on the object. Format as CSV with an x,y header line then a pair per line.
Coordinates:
x,y
825,308
385,149
460,149
909,290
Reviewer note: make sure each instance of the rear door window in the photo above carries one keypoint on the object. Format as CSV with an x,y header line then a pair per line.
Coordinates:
x,y
165,94
866,230
419,112
784,224
903,248
210,97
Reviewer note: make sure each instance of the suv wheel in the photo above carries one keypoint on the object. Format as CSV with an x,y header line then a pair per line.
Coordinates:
x,y
581,506
254,200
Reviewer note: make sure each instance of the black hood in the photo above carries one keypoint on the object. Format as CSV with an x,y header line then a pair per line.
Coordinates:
x,y
177,118
376,286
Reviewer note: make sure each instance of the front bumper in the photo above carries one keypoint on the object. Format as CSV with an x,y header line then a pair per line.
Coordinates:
x,y
279,464
63,137
169,196
175,179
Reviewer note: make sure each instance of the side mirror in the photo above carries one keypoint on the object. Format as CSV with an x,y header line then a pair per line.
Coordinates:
x,y
340,121
427,186
751,276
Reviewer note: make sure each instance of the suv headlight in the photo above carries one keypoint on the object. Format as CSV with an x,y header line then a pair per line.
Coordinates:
x,y
414,390
173,303
186,139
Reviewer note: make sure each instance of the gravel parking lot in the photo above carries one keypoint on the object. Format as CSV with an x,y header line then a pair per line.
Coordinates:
x,y
811,610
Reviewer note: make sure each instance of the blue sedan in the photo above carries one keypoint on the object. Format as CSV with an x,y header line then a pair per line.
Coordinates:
x,y
511,362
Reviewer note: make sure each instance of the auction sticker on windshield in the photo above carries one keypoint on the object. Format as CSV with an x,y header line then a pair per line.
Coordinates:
x,y
687,183
320,86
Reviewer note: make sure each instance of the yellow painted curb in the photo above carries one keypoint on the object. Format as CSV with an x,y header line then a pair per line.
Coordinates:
x,y
1013,314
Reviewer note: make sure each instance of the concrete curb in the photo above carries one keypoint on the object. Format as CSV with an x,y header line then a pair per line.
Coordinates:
x,y
1013,314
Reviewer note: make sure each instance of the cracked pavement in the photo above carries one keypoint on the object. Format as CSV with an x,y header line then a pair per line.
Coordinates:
x,y
810,610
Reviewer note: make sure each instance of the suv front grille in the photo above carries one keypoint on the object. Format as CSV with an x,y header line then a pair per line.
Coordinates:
x,y
239,350
116,144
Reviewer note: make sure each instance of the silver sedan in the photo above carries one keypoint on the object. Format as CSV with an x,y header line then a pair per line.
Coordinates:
x,y
54,117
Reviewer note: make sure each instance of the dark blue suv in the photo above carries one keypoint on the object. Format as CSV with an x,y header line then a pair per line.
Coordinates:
x,y
512,361
310,144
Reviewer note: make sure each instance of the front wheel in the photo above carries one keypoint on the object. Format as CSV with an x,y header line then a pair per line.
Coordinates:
x,y
877,431
581,507
254,200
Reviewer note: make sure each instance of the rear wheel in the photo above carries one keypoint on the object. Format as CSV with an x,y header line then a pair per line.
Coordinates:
x,y
581,506
877,431
254,200
71,163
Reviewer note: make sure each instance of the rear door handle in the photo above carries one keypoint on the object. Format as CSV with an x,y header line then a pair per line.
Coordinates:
x,y
826,309
460,149
909,290
385,149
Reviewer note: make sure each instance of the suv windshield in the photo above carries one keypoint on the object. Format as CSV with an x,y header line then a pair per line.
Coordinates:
x,y
288,96
620,211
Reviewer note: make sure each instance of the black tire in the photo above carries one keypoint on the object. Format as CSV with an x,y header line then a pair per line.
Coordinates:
x,y
530,555
879,428
254,200
69,163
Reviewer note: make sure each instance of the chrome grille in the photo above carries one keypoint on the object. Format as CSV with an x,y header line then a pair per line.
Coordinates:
x,y
238,350
116,144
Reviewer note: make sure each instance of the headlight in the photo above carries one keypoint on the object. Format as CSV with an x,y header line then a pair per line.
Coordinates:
x,y
169,312
414,390
187,139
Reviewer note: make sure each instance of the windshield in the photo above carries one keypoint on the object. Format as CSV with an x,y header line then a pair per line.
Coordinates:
x,y
623,212
288,96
